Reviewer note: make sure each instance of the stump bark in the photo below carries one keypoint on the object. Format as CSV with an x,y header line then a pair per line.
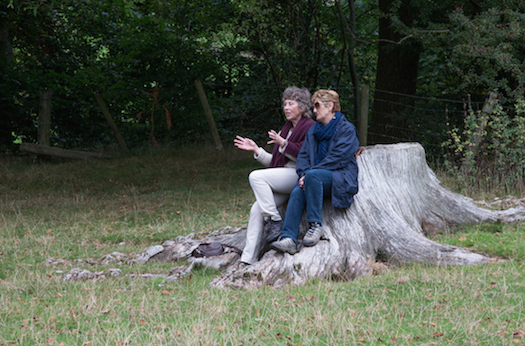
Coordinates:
x,y
399,200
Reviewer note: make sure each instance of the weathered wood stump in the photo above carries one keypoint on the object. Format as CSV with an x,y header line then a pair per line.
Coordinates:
x,y
399,200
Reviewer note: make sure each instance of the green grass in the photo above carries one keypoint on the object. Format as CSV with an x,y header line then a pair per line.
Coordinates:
x,y
76,210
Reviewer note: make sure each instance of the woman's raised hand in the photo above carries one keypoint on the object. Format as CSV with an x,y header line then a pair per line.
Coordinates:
x,y
246,144
276,138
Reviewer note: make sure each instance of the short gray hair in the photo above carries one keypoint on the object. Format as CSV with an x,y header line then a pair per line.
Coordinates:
x,y
302,96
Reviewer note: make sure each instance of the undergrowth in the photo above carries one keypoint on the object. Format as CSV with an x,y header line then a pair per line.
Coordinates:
x,y
488,153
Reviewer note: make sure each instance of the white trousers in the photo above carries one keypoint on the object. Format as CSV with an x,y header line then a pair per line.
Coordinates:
x,y
272,187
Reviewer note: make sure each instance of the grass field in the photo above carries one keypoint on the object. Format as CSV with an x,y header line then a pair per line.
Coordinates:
x,y
74,210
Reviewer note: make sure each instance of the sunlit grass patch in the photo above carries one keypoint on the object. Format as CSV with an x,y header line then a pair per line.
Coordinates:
x,y
505,241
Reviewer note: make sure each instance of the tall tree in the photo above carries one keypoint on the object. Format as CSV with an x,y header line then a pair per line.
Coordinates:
x,y
9,110
397,71
464,47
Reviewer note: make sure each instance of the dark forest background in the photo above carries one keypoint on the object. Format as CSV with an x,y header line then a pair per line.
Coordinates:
x,y
427,64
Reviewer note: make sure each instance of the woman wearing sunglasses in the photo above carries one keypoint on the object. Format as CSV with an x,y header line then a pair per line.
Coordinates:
x,y
272,186
326,166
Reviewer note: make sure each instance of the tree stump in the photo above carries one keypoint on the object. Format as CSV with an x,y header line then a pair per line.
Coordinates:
x,y
399,200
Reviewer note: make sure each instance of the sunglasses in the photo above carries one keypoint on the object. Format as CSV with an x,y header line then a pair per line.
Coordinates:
x,y
318,104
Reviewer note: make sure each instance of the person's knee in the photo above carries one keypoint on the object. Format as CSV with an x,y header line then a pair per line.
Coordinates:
x,y
255,177
255,208
318,175
311,176
297,192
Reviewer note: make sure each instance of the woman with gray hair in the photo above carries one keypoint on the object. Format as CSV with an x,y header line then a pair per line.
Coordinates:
x,y
272,186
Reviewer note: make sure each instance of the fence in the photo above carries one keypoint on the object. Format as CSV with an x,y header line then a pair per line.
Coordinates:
x,y
423,119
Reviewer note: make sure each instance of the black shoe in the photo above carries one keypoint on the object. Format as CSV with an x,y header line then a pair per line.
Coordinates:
x,y
274,229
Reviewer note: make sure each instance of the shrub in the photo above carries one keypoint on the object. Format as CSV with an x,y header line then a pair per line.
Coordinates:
x,y
489,151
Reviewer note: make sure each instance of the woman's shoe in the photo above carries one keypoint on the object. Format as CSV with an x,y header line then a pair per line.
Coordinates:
x,y
274,229
314,233
285,245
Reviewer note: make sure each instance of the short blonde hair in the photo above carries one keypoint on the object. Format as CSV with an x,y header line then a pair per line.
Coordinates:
x,y
324,95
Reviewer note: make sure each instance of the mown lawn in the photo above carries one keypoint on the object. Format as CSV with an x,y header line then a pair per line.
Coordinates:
x,y
74,210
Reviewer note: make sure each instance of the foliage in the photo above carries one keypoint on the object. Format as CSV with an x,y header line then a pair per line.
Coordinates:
x,y
120,49
245,53
488,52
303,47
469,49
489,151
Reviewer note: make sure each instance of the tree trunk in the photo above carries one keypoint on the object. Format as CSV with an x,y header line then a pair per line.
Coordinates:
x,y
397,69
6,49
483,118
111,123
209,115
399,200
351,44
44,117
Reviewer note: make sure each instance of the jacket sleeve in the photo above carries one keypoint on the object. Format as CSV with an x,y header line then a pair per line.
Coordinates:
x,y
342,151
264,157
303,159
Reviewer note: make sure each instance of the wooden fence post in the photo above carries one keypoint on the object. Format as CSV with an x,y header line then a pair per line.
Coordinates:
x,y
483,119
111,123
209,116
363,116
44,117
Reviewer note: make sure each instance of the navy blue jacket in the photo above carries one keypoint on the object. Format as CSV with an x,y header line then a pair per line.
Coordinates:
x,y
340,158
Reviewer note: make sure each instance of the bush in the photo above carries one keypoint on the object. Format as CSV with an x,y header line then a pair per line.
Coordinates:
x,y
489,152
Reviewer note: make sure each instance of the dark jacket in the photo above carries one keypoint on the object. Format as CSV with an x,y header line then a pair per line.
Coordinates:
x,y
340,158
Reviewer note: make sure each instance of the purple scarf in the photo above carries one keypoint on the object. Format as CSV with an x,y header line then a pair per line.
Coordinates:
x,y
297,136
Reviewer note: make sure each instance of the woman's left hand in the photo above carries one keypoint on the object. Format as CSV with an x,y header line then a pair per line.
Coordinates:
x,y
301,182
276,138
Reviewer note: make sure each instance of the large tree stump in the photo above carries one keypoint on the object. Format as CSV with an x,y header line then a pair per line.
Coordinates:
x,y
399,200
